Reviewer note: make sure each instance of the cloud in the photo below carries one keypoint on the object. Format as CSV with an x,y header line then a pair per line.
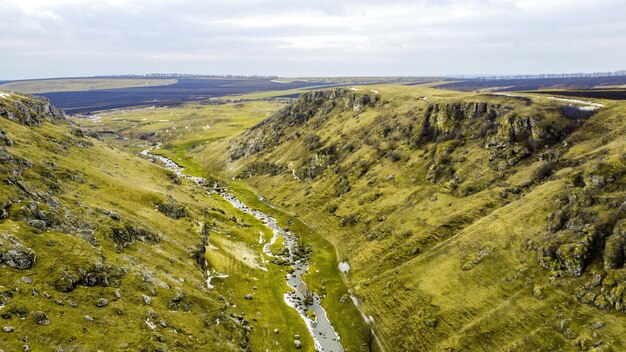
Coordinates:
x,y
284,37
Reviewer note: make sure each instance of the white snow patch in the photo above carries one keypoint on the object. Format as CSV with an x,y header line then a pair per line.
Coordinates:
x,y
374,91
5,95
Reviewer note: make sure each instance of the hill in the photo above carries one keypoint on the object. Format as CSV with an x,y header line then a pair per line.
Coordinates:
x,y
469,221
108,249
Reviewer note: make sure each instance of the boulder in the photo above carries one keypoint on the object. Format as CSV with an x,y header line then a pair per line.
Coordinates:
x,y
102,302
40,318
15,255
146,299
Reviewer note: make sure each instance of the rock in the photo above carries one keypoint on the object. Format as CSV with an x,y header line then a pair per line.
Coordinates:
x,y
18,256
35,292
248,296
40,318
8,329
296,337
276,331
297,344
27,280
344,298
102,302
614,252
4,139
172,210
38,224
88,318
146,299
46,294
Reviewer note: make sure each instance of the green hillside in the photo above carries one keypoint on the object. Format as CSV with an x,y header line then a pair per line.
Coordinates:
x,y
101,249
470,221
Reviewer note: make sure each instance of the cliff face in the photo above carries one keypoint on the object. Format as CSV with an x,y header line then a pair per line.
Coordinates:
x,y
30,111
449,206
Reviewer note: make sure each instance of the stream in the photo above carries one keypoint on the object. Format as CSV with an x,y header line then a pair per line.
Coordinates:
x,y
319,326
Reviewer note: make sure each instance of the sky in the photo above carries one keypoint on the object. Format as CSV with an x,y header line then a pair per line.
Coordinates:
x,y
292,38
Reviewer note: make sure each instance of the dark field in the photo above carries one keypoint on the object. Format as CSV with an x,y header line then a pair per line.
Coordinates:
x,y
184,91
509,85
613,94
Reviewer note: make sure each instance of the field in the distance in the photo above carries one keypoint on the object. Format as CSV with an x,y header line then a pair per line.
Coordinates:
x,y
80,84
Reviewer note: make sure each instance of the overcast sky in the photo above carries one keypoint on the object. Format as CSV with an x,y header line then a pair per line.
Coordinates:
x,y
56,38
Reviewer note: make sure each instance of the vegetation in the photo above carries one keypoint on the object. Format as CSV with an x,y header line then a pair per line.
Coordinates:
x,y
80,84
442,203
470,221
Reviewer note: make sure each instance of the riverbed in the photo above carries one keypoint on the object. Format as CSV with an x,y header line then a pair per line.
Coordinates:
x,y
299,298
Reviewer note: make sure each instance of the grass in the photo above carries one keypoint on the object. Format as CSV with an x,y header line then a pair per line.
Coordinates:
x,y
80,84
435,267
412,238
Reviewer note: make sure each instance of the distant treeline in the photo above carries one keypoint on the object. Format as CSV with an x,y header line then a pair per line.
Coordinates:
x,y
187,75
549,76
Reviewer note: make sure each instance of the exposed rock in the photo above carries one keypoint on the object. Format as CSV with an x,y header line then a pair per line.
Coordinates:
x,y
14,254
30,111
128,233
98,275
297,344
40,318
308,107
172,210
248,296
146,299
102,302
8,329
4,139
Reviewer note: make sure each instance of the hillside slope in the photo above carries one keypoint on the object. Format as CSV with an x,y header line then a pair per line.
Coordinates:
x,y
470,221
99,248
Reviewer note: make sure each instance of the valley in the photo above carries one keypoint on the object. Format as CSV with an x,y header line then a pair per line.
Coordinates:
x,y
462,221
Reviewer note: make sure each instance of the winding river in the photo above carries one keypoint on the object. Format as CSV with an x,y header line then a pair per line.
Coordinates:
x,y
299,298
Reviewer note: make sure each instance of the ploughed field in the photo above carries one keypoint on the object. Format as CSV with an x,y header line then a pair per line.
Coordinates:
x,y
185,90
510,85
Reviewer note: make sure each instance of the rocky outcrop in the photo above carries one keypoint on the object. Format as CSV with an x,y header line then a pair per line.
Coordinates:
x,y
308,107
30,111
172,209
126,234
14,254
97,275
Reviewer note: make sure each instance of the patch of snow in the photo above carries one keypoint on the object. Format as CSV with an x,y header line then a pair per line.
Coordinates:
x,y
374,91
354,89
5,95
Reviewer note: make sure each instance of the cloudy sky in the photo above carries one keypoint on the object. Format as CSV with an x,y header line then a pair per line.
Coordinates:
x,y
56,38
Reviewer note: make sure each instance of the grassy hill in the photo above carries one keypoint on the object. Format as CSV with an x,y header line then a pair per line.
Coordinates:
x,y
470,221
101,249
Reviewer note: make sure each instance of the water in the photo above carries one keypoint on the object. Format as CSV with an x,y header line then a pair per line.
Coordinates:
x,y
324,335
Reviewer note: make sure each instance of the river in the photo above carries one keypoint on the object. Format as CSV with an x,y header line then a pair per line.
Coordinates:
x,y
300,298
